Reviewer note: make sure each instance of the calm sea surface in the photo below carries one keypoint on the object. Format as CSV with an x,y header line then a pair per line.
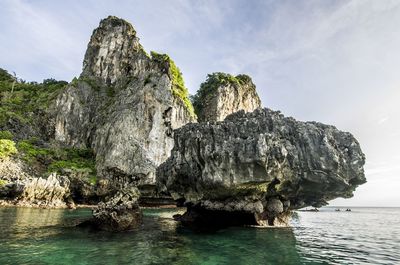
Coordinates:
x,y
41,236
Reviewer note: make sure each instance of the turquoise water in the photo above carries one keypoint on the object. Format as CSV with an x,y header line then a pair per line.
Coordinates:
x,y
42,236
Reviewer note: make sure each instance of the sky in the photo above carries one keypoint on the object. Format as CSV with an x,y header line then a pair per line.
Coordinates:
x,y
336,62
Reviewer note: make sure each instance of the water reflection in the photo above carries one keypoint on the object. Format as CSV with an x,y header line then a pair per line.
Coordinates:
x,y
37,236
34,236
19,223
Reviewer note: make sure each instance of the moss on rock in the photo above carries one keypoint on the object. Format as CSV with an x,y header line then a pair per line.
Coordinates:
x,y
178,85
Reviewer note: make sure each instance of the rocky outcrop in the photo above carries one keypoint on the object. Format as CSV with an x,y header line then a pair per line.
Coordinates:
x,y
223,94
120,213
124,106
260,163
22,185
18,187
50,192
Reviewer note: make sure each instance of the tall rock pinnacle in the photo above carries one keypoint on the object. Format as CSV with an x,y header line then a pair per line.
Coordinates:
x,y
124,106
114,51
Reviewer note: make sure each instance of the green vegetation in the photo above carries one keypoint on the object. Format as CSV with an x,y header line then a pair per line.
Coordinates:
x,y
30,152
211,84
96,85
50,159
110,91
6,135
7,148
3,182
76,160
178,85
21,100
5,76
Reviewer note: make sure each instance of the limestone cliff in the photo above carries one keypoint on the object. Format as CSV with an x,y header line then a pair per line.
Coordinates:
x,y
222,94
124,106
261,163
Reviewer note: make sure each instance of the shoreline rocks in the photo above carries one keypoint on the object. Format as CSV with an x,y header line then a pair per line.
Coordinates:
x,y
119,213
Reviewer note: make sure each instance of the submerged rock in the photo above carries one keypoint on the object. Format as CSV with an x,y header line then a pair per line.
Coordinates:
x,y
119,213
223,94
124,106
261,163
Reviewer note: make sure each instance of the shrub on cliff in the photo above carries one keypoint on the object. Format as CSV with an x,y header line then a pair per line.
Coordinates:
x,y
20,101
212,83
178,85
52,159
7,148
6,135
5,76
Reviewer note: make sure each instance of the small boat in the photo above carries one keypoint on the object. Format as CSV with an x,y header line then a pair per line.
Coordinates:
x,y
337,210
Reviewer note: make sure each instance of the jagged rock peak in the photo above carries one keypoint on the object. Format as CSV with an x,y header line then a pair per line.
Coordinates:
x,y
124,106
222,94
113,51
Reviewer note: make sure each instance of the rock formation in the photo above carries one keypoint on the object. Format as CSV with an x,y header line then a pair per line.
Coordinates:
x,y
120,213
115,126
124,106
223,94
20,188
262,164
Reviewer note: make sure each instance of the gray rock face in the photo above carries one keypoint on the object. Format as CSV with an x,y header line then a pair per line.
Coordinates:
x,y
113,52
122,106
261,163
223,94
120,213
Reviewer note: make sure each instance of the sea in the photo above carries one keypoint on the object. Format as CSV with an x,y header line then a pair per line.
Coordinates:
x,y
49,236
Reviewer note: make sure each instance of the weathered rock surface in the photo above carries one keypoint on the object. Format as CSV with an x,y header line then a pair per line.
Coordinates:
x,y
122,106
223,94
52,191
18,187
120,213
21,185
261,163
